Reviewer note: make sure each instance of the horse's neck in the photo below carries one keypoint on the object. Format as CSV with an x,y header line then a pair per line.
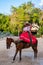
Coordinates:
x,y
15,38
12,40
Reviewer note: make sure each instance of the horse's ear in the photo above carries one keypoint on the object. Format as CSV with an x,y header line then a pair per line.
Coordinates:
x,y
7,37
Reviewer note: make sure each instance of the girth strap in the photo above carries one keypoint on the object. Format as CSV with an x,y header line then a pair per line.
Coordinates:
x,y
30,38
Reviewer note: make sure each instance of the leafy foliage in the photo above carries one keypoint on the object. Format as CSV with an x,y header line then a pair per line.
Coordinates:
x,y
19,15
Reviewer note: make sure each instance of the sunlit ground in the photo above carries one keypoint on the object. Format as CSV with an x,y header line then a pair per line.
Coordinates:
x,y
6,55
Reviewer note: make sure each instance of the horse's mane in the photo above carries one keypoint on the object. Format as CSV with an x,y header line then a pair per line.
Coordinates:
x,y
13,39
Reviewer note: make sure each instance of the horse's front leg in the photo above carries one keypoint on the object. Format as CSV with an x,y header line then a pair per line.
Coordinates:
x,y
15,55
20,55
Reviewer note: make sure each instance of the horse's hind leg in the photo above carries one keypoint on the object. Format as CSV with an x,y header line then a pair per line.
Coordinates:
x,y
35,51
15,54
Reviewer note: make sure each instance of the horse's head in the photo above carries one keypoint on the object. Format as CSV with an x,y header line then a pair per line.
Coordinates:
x,y
8,42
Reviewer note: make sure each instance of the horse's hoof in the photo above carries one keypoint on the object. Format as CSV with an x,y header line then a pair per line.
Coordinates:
x,y
12,61
35,57
19,60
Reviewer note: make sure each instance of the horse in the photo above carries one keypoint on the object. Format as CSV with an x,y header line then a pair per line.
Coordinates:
x,y
20,44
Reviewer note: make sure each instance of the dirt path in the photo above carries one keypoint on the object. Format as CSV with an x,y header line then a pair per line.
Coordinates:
x,y
6,56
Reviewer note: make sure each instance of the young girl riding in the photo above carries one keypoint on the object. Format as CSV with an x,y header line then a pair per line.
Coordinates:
x,y
26,35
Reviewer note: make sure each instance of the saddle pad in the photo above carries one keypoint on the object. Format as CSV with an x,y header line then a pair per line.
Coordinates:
x,y
26,37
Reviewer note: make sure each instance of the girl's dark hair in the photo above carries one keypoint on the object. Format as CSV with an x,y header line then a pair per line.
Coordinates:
x,y
26,24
